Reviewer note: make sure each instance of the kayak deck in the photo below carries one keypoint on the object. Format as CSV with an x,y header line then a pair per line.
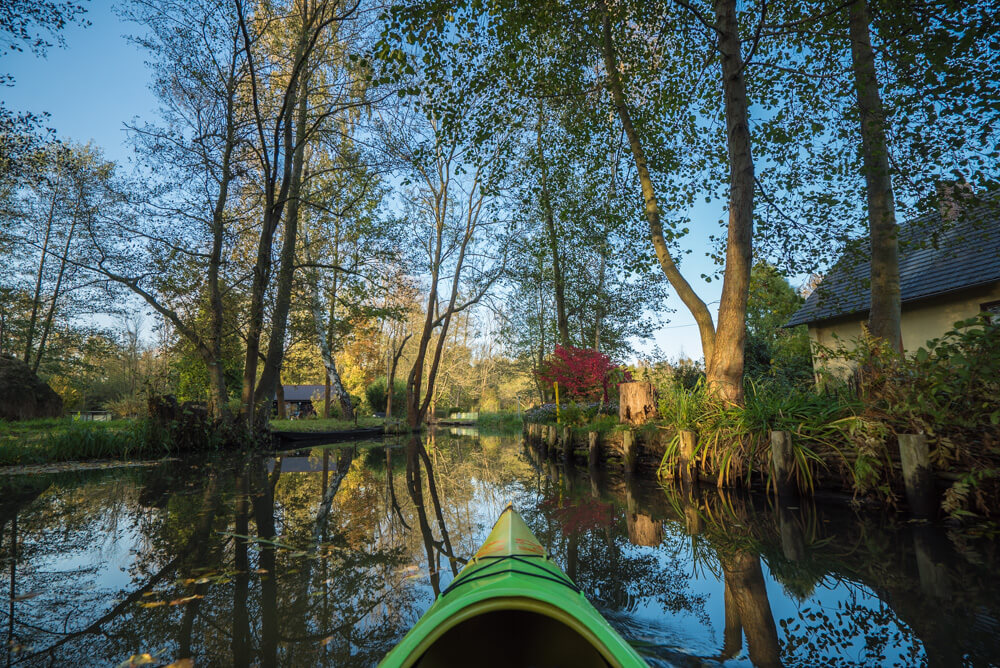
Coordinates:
x,y
512,606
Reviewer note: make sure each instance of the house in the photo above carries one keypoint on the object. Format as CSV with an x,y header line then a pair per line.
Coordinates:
x,y
949,270
300,399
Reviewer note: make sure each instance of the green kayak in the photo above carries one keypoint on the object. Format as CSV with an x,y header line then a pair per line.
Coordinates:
x,y
512,606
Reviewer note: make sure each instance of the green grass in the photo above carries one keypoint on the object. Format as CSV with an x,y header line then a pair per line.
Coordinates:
x,y
64,439
326,424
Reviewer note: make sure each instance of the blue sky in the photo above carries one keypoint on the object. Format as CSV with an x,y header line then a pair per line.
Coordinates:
x,y
99,82
91,87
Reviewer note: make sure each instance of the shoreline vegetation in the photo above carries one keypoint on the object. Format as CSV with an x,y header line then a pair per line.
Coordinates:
x,y
50,440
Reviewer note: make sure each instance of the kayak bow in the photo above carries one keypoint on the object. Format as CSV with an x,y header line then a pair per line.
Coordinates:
x,y
512,606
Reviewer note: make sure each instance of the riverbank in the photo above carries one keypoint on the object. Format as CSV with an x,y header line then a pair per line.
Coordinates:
x,y
52,440
49,440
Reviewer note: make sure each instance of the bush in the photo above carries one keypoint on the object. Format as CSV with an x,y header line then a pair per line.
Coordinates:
x,y
127,407
578,412
376,396
582,373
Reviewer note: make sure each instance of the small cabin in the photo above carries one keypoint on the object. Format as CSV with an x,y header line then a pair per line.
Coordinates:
x,y
301,400
949,270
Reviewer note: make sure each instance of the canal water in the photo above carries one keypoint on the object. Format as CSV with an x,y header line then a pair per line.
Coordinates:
x,y
327,556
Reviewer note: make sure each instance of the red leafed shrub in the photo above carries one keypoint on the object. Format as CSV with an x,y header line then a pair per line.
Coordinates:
x,y
583,374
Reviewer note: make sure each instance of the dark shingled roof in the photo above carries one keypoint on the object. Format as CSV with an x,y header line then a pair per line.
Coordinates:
x,y
303,392
934,259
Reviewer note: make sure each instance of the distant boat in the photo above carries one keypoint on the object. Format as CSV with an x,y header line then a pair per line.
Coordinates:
x,y
512,606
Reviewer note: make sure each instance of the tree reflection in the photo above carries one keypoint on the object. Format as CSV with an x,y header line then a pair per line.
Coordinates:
x,y
317,558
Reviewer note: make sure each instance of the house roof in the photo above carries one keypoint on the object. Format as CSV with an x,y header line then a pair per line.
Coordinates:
x,y
935,259
303,392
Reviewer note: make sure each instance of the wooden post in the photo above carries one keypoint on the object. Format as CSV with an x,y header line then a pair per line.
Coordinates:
x,y
550,440
631,448
593,449
567,443
917,475
793,544
783,462
688,445
636,403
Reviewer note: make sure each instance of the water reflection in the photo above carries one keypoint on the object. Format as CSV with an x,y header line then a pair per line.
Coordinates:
x,y
328,556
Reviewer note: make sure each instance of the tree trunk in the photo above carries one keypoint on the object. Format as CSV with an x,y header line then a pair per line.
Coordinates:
x,y
745,583
286,268
337,389
724,369
216,373
885,314
599,309
47,324
37,296
562,321
275,197
279,398
326,395
694,304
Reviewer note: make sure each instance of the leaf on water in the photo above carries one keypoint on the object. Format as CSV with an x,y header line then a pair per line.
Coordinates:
x,y
186,599
261,571
25,597
152,604
137,660
326,641
182,663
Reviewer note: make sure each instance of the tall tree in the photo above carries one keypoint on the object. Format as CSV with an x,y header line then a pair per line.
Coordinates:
x,y
885,315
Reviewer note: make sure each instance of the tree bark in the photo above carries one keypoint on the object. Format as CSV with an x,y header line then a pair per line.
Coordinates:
x,y
216,372
694,304
50,315
724,369
277,182
885,314
36,298
286,267
279,398
599,309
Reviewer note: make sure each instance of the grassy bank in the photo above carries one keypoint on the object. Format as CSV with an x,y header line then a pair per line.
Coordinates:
x,y
64,439
326,424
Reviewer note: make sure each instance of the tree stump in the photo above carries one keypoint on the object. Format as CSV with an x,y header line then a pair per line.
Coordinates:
x,y
636,403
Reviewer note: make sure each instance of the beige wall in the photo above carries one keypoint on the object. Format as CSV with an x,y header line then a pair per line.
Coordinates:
x,y
921,322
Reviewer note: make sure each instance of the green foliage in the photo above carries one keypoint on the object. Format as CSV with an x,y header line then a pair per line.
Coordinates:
x,y
733,441
947,391
503,422
127,406
58,440
682,408
377,398
771,351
